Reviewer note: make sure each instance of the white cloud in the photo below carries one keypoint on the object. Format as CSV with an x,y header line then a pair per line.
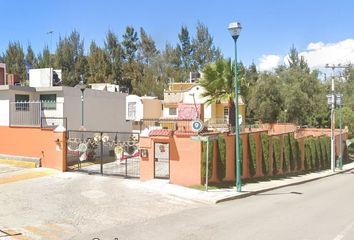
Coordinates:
x,y
317,55
269,62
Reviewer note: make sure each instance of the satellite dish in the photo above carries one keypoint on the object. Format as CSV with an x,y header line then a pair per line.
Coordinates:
x,y
56,80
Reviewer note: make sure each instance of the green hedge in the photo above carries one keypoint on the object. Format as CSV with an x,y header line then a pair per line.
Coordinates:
x,y
314,158
210,159
319,153
308,156
295,157
252,154
276,154
221,157
323,143
287,153
265,153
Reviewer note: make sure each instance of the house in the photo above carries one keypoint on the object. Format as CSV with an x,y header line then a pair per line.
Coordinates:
x,y
145,107
185,101
2,73
54,105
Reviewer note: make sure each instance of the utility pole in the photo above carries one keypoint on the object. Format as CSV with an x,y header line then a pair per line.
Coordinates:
x,y
333,100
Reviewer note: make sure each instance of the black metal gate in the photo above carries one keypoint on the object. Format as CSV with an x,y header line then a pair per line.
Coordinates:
x,y
108,153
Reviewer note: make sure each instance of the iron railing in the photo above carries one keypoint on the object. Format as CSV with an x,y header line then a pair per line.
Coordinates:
x,y
31,113
181,125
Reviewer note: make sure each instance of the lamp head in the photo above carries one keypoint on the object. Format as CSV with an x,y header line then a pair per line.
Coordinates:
x,y
235,29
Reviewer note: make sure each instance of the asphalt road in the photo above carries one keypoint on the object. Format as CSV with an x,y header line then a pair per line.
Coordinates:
x,y
321,210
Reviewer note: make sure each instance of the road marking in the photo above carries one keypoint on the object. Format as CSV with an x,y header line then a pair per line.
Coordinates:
x,y
341,235
42,233
25,176
18,163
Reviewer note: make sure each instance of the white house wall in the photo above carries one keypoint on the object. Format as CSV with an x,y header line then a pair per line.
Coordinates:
x,y
4,113
139,111
103,111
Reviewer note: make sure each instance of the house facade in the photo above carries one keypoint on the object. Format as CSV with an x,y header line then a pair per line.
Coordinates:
x,y
180,96
36,106
138,108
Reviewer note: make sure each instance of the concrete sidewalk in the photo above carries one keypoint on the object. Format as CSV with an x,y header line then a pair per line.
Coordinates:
x,y
214,196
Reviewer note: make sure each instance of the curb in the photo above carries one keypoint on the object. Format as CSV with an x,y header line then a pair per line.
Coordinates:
x,y
248,194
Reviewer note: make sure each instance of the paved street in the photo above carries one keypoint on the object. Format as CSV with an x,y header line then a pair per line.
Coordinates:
x,y
321,210
45,204
42,204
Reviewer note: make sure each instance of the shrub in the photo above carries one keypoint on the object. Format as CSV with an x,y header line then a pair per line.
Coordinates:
x,y
276,153
319,153
325,157
221,156
252,153
308,158
287,153
294,158
265,152
210,157
314,158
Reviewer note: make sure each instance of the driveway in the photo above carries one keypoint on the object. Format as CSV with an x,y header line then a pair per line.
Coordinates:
x,y
46,204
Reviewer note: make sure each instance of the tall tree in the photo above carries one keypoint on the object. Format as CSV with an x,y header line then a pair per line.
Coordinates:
x,y
44,59
147,47
115,54
99,68
185,50
15,60
31,59
266,100
204,50
70,58
130,43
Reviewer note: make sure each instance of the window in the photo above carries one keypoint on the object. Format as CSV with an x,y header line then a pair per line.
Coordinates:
x,y
22,102
49,101
172,111
226,113
131,110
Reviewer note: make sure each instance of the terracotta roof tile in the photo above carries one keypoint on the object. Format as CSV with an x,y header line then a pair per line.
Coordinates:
x,y
160,132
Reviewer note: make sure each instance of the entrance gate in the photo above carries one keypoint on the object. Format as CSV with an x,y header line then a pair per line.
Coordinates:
x,y
108,153
162,160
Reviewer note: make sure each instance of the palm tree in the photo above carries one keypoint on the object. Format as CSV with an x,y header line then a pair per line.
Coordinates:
x,y
218,82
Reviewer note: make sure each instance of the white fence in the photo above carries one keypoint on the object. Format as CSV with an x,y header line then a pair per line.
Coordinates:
x,y
32,113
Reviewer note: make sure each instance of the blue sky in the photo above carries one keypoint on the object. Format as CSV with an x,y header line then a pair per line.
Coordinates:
x,y
269,27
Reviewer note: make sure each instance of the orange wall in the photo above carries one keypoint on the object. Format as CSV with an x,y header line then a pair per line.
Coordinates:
x,y
34,142
185,160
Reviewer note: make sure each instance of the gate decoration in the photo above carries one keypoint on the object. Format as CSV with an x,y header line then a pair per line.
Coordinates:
x,y
110,153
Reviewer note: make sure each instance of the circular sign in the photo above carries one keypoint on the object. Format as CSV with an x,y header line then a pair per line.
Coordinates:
x,y
197,125
82,147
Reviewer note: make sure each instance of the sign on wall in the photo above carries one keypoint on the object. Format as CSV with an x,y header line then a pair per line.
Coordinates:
x,y
162,151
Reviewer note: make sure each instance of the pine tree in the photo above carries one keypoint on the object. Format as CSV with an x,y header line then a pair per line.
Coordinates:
x,y
15,60
70,58
99,68
147,47
115,57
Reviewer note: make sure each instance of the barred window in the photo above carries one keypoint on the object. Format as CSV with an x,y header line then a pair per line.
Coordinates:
x,y
49,101
22,102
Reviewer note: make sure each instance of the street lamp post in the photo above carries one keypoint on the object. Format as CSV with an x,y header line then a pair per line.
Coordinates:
x,y
235,29
82,88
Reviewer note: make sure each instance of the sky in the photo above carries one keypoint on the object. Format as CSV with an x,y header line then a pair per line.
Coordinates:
x,y
321,30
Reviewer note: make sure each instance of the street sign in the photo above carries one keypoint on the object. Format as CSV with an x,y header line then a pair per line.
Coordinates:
x,y
197,125
204,138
